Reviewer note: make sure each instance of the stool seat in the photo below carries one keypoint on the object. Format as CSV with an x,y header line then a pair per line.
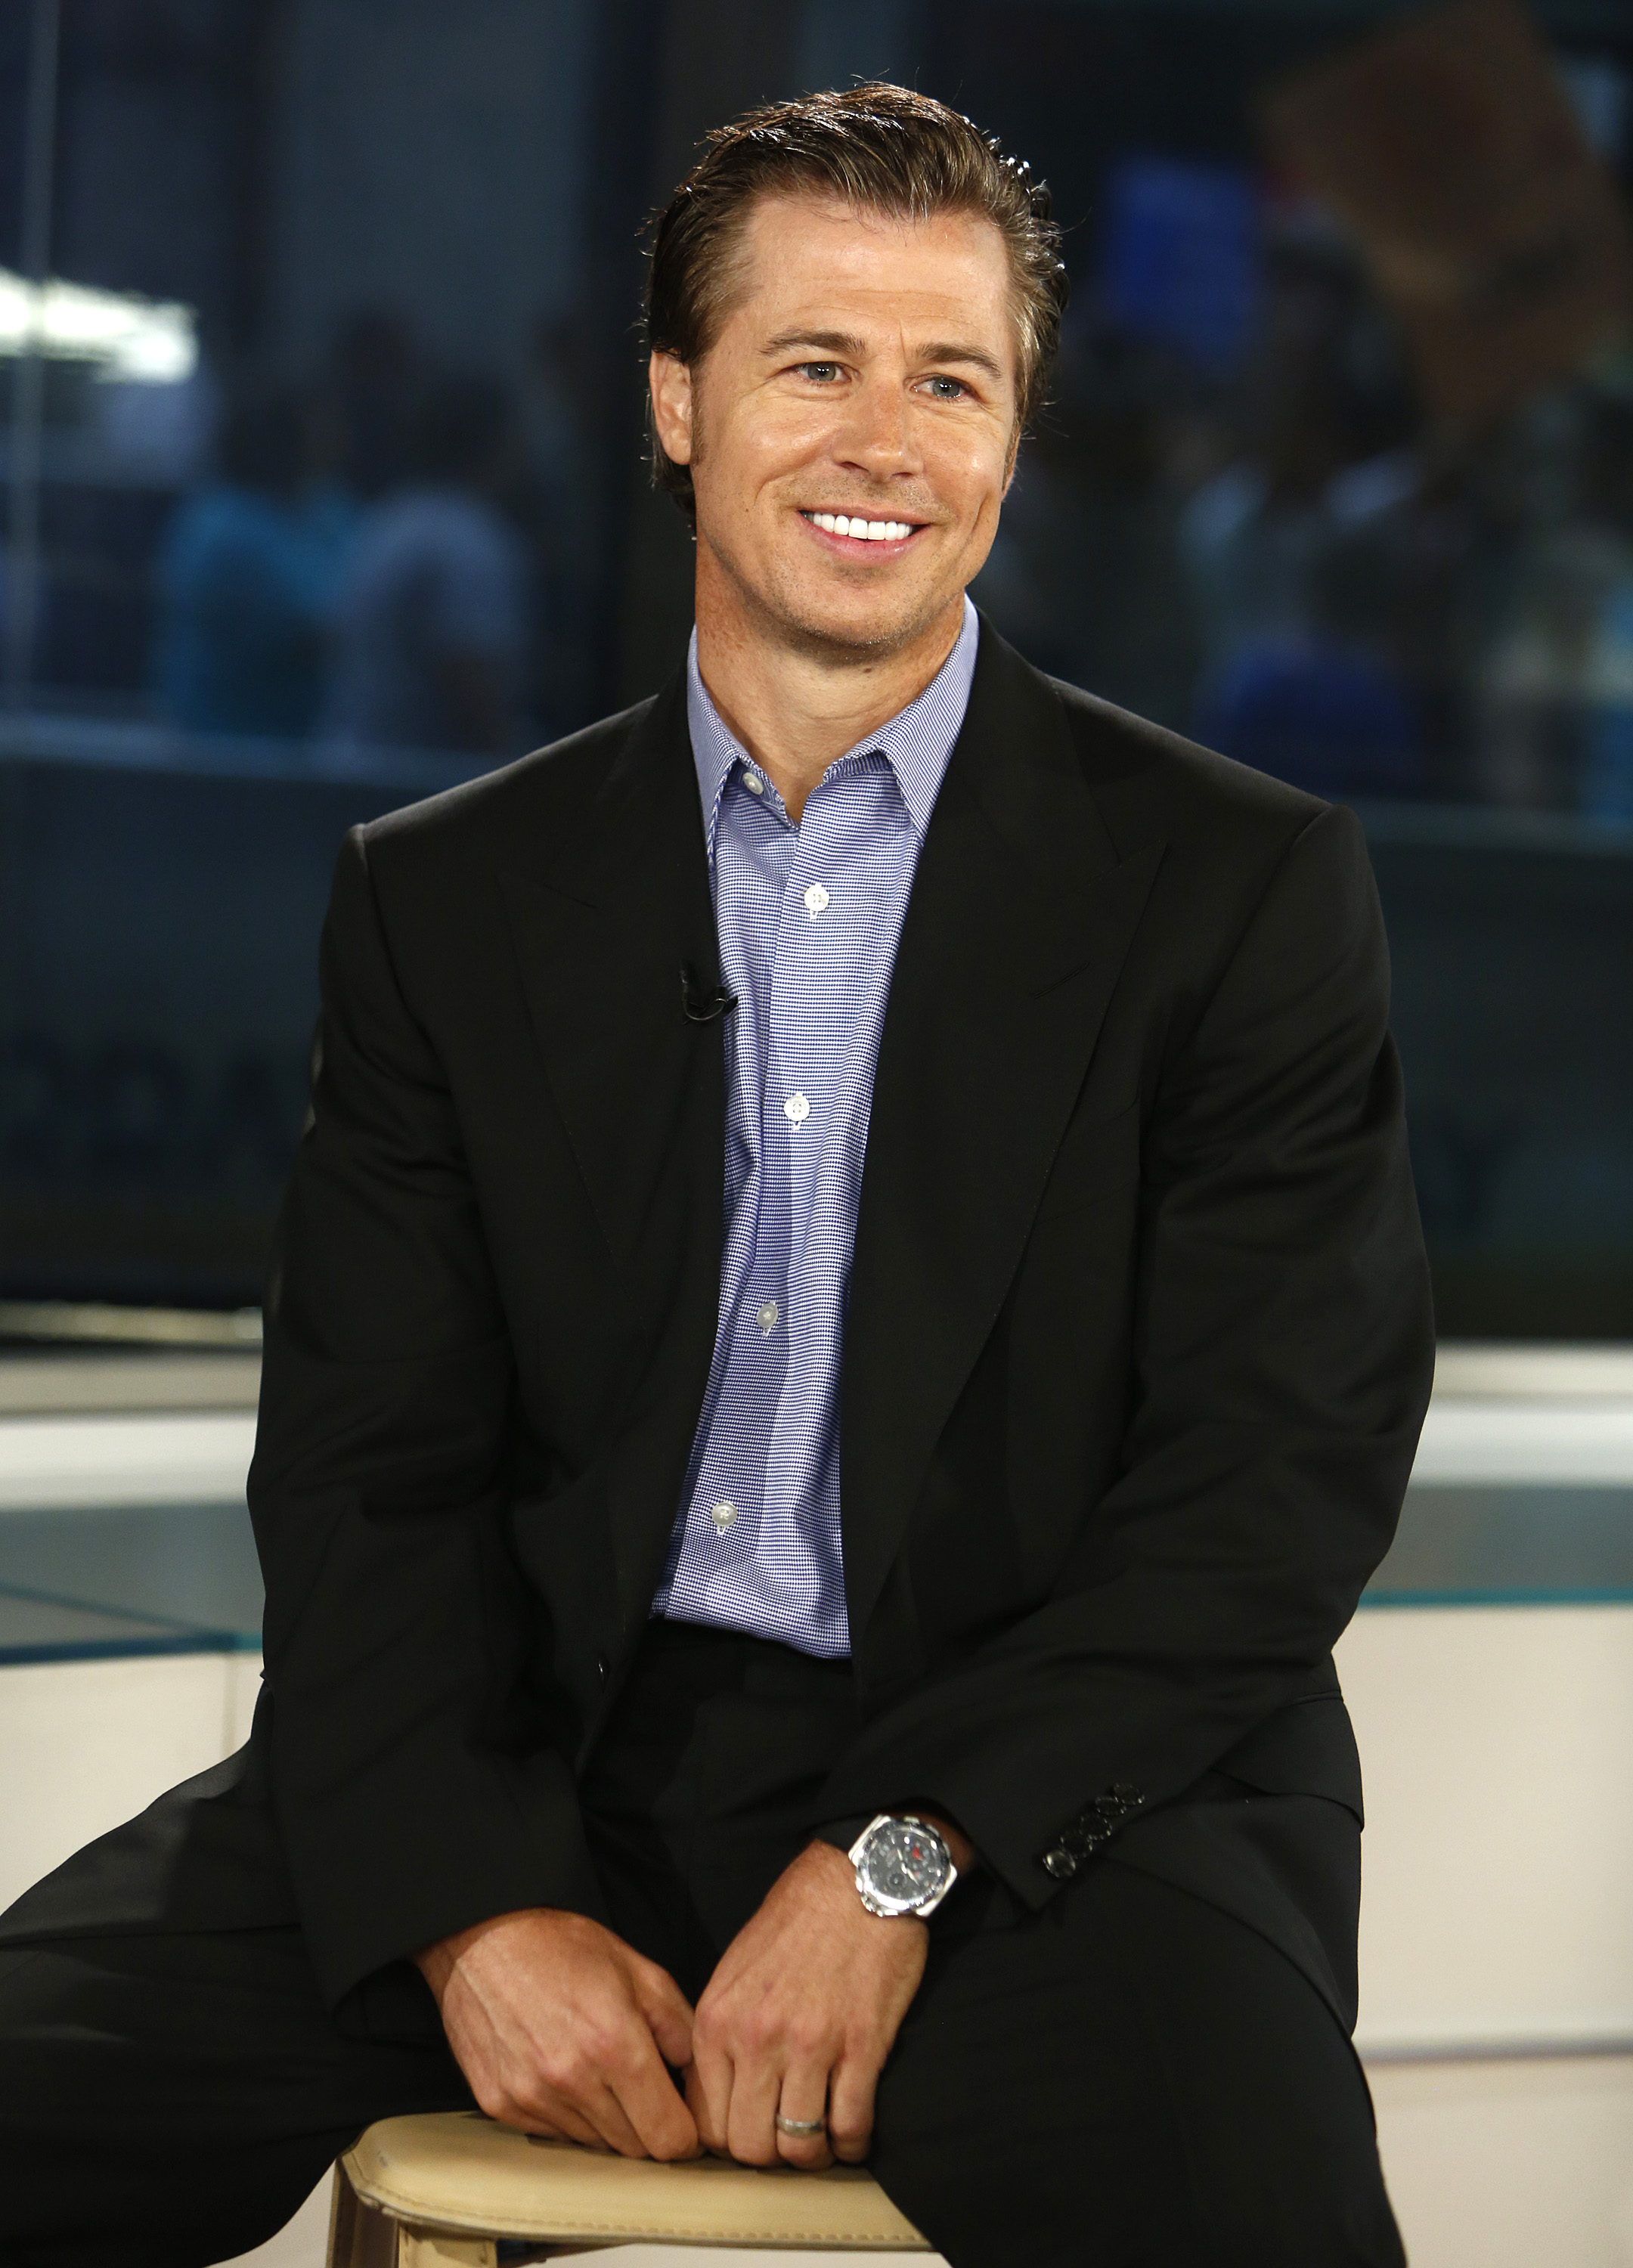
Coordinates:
x,y
453,2185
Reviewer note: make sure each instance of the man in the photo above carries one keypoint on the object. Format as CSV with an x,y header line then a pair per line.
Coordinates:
x,y
431,632
892,1608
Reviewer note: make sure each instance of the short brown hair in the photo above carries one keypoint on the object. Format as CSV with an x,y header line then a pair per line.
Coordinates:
x,y
880,148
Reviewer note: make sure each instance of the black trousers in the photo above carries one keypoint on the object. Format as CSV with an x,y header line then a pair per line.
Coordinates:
x,y
1130,2078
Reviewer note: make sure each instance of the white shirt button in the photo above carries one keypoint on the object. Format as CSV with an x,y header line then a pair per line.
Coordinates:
x,y
817,900
723,1515
755,785
796,1110
767,1318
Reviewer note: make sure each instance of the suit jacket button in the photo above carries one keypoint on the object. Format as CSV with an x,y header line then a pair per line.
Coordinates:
x,y
603,1668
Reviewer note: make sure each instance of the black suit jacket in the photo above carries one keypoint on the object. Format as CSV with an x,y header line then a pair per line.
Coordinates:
x,y
1138,1350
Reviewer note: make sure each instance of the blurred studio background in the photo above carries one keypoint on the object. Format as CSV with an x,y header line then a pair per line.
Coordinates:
x,y
320,438
320,415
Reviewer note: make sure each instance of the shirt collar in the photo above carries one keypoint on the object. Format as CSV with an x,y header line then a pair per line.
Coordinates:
x,y
917,741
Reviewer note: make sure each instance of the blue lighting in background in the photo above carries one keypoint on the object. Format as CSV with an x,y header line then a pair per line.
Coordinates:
x,y
1180,258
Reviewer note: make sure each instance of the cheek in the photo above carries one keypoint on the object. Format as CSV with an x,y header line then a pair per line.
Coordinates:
x,y
773,445
968,470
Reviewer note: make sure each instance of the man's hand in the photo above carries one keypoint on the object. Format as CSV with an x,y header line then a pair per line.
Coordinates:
x,y
799,2017
563,2029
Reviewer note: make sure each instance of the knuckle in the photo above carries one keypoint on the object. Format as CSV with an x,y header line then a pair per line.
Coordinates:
x,y
761,2027
567,2072
600,2043
656,1980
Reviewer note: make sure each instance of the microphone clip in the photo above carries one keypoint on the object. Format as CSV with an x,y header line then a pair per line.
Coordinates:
x,y
701,1007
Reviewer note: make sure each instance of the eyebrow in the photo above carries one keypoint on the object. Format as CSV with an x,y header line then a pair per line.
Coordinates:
x,y
957,351
842,342
846,342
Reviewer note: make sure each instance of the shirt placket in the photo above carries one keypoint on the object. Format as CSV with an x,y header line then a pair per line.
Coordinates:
x,y
810,1045
729,1494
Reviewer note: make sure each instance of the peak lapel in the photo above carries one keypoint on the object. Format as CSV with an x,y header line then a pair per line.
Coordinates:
x,y
1019,921
604,922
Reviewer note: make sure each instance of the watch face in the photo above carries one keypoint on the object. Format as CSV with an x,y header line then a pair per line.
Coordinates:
x,y
904,1864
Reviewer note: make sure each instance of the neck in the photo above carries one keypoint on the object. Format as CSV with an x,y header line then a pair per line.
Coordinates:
x,y
795,704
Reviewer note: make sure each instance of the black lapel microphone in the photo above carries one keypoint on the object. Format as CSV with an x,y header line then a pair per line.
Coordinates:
x,y
703,1007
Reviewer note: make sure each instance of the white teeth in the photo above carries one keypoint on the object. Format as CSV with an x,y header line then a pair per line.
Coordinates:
x,y
867,531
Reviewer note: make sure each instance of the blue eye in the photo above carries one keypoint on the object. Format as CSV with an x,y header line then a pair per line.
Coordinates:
x,y
954,385
820,371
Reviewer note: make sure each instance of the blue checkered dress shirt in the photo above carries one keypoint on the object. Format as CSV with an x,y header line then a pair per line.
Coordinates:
x,y
809,919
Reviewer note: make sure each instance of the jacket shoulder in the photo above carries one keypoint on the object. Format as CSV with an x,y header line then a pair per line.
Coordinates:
x,y
539,797
1146,778
1237,847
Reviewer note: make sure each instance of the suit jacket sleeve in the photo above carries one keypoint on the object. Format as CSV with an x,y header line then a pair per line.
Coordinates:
x,y
407,1809
1283,1351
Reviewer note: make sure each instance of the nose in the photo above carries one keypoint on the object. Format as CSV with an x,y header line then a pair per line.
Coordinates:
x,y
877,439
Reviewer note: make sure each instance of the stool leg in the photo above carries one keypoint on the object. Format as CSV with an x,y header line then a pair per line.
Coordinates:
x,y
343,2203
359,2237
426,2247
342,2221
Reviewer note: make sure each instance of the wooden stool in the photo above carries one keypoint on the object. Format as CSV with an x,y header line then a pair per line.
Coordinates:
x,y
447,2188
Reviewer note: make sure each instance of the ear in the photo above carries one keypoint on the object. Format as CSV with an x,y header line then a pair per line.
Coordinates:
x,y
670,381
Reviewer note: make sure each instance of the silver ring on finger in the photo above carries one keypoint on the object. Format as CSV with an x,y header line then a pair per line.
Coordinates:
x,y
803,2128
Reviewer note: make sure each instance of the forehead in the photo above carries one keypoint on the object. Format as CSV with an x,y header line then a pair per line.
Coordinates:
x,y
802,258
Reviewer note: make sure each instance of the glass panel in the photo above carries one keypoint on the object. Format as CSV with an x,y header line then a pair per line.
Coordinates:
x,y
320,429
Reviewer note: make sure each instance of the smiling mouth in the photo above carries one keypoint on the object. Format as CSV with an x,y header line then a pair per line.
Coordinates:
x,y
859,529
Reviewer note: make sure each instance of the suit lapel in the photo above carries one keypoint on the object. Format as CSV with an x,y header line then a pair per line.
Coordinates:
x,y
603,922
1020,920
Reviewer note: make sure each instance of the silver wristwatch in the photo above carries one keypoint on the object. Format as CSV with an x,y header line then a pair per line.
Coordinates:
x,y
903,1865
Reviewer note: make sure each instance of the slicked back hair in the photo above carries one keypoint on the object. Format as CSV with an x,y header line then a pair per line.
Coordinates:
x,y
881,149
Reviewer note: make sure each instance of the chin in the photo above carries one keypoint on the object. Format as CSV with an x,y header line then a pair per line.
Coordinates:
x,y
876,620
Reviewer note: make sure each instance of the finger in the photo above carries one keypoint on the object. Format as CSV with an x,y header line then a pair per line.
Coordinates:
x,y
617,2130
650,2104
667,2011
803,2097
750,2131
709,2093
850,2092
551,2129
571,2091
548,2112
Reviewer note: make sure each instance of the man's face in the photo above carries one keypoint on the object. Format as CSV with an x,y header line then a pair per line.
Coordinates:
x,y
865,373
